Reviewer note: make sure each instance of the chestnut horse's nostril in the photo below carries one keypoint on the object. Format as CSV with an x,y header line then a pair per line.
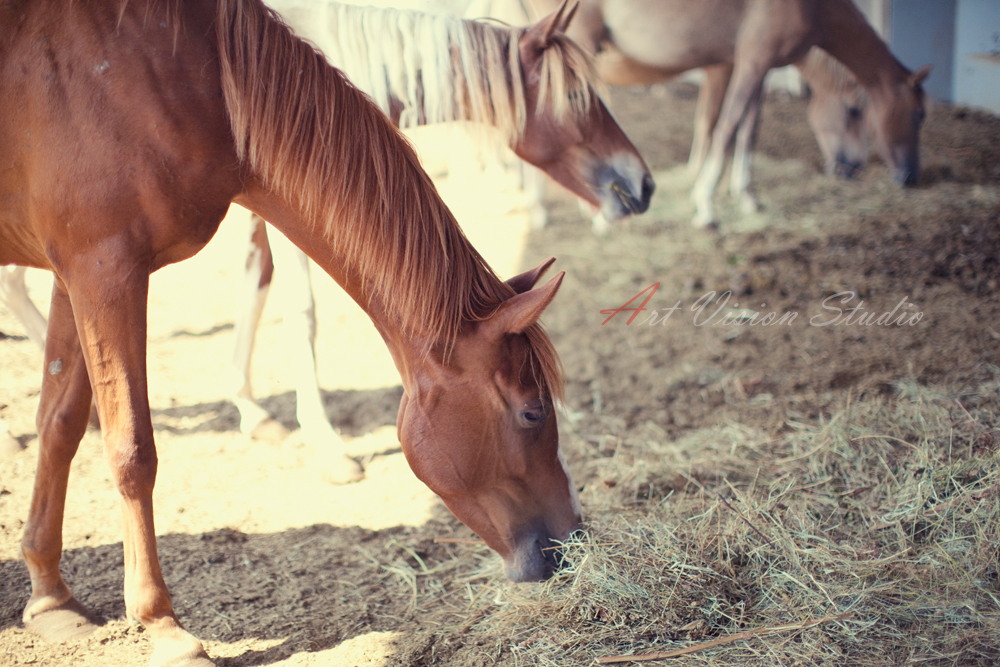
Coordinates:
x,y
648,186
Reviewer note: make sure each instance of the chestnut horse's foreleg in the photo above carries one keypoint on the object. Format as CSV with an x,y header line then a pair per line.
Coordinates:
x,y
299,320
109,297
739,182
52,611
254,420
706,115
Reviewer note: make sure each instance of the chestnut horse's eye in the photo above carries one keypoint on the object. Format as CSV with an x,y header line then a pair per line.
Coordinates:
x,y
533,417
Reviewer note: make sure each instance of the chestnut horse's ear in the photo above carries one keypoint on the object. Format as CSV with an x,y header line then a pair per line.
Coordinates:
x,y
916,78
522,310
525,281
557,22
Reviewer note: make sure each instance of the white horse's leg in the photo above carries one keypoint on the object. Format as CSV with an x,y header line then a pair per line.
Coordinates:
x,y
254,420
14,294
533,184
739,183
299,320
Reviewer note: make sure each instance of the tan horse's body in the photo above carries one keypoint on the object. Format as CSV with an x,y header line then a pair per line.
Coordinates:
x,y
751,37
836,113
127,130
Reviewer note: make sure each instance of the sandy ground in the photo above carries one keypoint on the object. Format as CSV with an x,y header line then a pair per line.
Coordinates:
x,y
271,565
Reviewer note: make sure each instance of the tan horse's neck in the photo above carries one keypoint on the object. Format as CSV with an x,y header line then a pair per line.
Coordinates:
x,y
848,37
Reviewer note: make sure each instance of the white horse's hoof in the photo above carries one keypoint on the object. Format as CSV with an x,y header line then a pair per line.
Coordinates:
x,y
704,221
749,203
599,225
269,430
338,468
9,445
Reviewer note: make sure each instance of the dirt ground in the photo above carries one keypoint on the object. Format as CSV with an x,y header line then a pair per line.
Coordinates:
x,y
271,565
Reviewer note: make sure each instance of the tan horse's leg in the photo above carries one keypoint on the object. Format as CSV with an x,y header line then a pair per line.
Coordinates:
x,y
52,611
747,79
299,320
109,305
706,114
739,183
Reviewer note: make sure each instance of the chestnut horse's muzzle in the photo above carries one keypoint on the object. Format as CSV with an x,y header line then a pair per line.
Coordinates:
x,y
536,557
625,189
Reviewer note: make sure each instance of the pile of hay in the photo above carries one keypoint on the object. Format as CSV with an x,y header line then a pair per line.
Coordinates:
x,y
870,537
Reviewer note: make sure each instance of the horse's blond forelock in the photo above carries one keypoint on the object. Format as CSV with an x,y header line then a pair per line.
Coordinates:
x,y
822,70
320,144
569,79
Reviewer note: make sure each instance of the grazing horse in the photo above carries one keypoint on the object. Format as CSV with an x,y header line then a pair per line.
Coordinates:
x,y
129,129
754,36
423,68
836,113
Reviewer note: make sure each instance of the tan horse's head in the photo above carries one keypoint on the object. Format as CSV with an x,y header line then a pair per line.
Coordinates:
x,y
896,119
568,131
839,125
479,428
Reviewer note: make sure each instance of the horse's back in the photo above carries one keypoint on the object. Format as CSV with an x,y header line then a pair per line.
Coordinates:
x,y
114,127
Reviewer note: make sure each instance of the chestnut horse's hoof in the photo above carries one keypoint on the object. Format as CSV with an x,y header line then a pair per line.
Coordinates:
x,y
178,649
68,621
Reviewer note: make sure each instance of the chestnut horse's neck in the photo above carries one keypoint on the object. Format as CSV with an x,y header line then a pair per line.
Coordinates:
x,y
332,173
848,37
317,143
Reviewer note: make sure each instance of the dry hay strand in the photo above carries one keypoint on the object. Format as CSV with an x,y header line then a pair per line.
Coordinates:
x,y
867,538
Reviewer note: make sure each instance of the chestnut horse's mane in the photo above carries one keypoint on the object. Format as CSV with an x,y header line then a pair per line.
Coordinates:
x,y
443,68
321,144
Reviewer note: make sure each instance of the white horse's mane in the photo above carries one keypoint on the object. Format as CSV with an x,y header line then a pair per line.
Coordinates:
x,y
439,67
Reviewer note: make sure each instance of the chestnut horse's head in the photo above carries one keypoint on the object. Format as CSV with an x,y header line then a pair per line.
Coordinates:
x,y
478,426
896,118
568,131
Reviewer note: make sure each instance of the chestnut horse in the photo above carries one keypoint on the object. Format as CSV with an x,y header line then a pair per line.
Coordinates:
x,y
441,69
131,127
755,36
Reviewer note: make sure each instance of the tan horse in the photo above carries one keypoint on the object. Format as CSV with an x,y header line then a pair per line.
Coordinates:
x,y
837,113
755,36
134,127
